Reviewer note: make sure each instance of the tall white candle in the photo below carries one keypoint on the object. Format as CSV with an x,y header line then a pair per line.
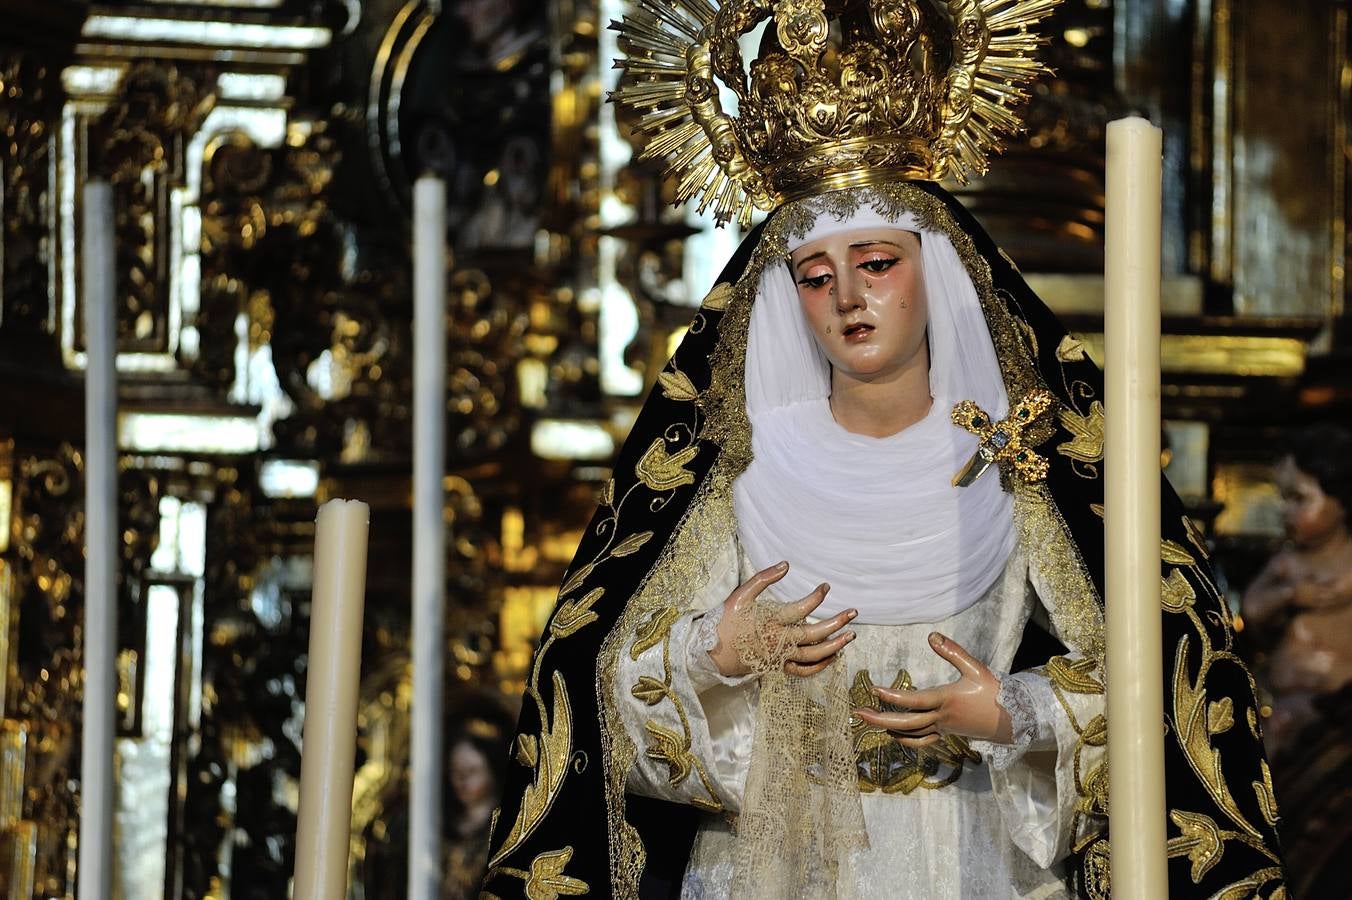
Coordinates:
x,y
329,739
1132,511
429,536
98,299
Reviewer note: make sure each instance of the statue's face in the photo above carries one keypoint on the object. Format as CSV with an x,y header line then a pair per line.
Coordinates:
x,y
1310,515
863,295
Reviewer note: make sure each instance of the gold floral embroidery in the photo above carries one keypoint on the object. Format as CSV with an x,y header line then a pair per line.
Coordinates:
x,y
1266,799
661,471
545,880
575,614
1069,350
632,543
1086,443
1073,675
654,631
884,764
717,299
550,763
1069,676
1176,593
676,385
1202,841
1220,716
1098,871
1174,554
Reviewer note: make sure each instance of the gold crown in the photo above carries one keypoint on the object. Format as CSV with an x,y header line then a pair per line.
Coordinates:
x,y
842,93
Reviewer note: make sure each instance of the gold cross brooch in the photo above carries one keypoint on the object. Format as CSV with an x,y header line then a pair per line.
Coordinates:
x,y
1002,442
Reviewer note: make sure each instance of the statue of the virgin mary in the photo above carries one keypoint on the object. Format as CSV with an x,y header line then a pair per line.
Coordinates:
x,y
836,628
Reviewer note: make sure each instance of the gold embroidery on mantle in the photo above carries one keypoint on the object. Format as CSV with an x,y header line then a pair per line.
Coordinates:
x,y
888,766
545,880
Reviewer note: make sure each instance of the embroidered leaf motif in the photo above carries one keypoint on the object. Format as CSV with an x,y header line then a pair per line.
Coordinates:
x,y
1220,716
608,493
1190,722
1095,734
649,690
718,297
631,544
574,614
1267,801
527,750
677,386
1086,443
1069,350
650,633
1200,841
547,881
1073,676
1174,554
1096,787
662,471
575,580
1176,593
555,745
671,748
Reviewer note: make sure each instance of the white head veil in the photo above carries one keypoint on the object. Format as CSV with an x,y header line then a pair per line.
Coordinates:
x,y
876,518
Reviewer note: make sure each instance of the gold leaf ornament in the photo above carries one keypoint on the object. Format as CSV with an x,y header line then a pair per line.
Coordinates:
x,y
1174,554
1086,442
631,544
668,747
554,747
547,881
1176,593
649,690
1267,800
718,298
575,614
677,386
1220,716
1070,350
651,632
662,471
1073,676
1200,841
527,750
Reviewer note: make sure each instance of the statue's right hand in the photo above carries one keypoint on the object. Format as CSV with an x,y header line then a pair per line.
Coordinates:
x,y
814,645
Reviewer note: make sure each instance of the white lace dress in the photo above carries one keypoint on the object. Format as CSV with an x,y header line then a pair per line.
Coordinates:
x,y
1001,828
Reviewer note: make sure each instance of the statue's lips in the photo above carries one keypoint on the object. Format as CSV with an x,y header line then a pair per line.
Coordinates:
x,y
859,331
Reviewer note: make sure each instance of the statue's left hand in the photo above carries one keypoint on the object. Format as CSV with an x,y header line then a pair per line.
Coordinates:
x,y
965,707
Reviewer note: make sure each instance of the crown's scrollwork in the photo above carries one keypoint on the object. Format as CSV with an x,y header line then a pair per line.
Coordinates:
x,y
841,93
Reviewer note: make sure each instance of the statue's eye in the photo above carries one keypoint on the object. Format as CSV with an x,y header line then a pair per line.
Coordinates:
x,y
815,281
879,265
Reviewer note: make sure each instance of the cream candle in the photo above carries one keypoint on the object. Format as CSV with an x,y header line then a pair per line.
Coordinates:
x,y
1132,510
329,739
